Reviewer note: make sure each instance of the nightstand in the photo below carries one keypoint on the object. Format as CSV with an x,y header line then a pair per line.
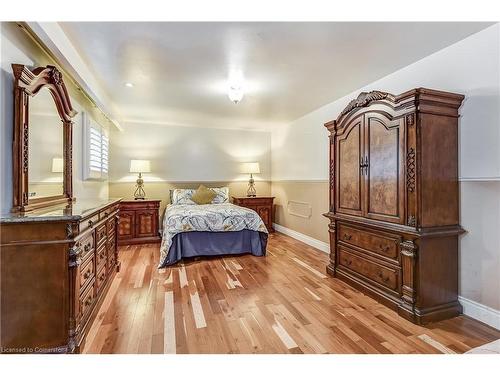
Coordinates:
x,y
262,205
139,222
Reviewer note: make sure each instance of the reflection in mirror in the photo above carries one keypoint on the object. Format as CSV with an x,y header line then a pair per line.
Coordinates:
x,y
45,173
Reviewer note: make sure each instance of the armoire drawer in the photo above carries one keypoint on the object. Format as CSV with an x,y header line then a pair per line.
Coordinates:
x,y
380,274
386,245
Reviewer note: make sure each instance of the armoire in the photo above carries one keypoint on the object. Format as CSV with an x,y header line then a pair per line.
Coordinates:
x,y
394,200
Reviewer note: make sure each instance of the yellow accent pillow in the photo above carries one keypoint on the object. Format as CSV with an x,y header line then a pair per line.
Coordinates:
x,y
203,195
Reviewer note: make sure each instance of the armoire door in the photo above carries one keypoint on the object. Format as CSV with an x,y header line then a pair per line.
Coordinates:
x,y
384,180
145,223
349,181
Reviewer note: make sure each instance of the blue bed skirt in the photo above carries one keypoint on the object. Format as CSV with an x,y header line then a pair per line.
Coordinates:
x,y
194,244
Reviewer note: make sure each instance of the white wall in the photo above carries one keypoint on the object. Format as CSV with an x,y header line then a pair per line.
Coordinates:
x,y
17,48
183,153
469,67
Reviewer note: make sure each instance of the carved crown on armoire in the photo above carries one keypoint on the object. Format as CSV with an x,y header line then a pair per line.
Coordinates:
x,y
394,200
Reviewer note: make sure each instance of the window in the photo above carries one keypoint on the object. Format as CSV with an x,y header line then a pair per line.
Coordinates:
x,y
96,145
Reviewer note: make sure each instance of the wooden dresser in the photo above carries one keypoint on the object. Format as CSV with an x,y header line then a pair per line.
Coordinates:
x,y
394,204
139,222
262,205
56,266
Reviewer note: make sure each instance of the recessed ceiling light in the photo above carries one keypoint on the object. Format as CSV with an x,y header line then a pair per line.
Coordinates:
x,y
129,84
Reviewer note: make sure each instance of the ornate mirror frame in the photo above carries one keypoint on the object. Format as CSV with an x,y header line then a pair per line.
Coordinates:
x,y
28,82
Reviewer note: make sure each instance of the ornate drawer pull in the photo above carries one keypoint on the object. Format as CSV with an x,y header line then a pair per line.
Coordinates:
x,y
349,262
384,279
86,247
384,249
347,237
106,214
91,223
102,277
87,274
88,301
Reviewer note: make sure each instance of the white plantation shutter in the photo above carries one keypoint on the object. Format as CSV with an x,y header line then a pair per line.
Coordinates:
x,y
104,153
96,154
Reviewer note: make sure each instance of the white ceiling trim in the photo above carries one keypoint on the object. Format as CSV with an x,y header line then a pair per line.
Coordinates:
x,y
54,38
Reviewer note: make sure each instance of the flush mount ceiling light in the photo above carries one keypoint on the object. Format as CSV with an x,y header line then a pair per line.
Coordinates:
x,y
235,93
235,86
129,84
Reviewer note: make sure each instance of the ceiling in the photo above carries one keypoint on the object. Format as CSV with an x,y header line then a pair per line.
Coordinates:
x,y
180,70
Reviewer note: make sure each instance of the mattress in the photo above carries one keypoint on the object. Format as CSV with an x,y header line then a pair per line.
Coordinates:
x,y
210,229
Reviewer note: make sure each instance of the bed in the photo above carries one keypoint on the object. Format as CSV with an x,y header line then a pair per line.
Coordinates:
x,y
217,228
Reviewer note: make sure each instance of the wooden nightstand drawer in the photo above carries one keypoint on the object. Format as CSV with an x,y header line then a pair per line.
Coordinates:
x,y
262,205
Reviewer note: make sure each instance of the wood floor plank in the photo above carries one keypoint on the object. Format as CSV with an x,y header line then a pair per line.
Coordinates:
x,y
281,303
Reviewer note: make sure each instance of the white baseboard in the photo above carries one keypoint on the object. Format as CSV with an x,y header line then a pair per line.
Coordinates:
x,y
480,312
475,310
320,245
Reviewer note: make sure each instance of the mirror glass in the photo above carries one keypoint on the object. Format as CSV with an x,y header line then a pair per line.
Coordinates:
x,y
45,168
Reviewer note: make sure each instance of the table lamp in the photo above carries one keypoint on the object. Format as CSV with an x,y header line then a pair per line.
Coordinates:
x,y
251,168
140,166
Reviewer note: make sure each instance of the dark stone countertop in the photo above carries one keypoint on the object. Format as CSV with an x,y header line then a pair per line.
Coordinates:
x,y
66,212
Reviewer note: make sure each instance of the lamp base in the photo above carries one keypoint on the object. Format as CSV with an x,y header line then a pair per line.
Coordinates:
x,y
251,192
139,193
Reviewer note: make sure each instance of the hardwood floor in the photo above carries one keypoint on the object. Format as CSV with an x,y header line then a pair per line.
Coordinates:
x,y
281,303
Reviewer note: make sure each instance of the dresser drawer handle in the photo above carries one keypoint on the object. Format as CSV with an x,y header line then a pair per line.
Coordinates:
x,y
91,223
86,275
102,277
106,214
384,279
88,301
86,248
384,249
347,237
349,262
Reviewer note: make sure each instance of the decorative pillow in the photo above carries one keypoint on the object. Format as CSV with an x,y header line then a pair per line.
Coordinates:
x,y
203,195
222,194
182,196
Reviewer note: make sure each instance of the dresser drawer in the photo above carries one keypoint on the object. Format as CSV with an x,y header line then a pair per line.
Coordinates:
x,y
87,272
100,279
86,301
101,257
101,234
103,215
380,274
111,226
386,245
111,256
108,212
87,246
89,222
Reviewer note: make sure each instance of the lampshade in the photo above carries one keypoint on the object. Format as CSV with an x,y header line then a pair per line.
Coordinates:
x,y
250,168
140,166
57,165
